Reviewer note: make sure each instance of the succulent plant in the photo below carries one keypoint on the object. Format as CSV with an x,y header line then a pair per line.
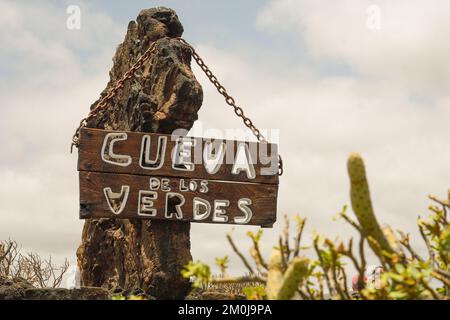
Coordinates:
x,y
362,204
404,274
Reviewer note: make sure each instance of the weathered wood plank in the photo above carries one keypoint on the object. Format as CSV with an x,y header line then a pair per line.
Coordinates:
x,y
238,200
131,157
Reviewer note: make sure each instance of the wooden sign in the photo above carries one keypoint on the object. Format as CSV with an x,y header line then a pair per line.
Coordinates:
x,y
154,176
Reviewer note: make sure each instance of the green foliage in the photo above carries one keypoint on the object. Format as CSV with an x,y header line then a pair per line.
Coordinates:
x,y
138,297
361,202
410,281
130,297
199,272
255,293
222,263
406,275
255,237
275,276
294,275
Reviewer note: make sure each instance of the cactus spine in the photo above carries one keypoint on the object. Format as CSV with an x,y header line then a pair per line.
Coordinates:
x,y
362,204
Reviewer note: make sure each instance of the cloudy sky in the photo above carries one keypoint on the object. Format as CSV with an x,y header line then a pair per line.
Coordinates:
x,y
327,75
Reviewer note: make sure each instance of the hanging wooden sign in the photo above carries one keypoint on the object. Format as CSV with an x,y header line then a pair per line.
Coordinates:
x,y
155,176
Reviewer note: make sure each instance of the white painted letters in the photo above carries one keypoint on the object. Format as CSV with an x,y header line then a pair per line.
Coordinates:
x,y
197,203
219,214
145,161
243,205
145,203
117,201
213,163
178,213
182,153
243,162
107,152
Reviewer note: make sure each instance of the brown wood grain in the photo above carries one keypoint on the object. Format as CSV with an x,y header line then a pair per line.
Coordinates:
x,y
91,142
93,203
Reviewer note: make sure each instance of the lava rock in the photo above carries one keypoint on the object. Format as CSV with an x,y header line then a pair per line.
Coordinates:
x,y
163,96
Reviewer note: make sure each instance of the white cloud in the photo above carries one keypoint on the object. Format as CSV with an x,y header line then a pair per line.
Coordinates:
x,y
47,84
392,107
322,120
410,48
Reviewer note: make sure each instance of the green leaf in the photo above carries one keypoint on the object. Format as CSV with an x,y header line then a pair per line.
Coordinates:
x,y
399,268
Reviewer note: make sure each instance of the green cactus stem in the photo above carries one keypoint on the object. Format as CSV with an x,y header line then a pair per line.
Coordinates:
x,y
275,276
295,273
281,286
362,204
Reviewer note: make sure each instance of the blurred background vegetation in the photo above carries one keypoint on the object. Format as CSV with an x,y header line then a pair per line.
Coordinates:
x,y
290,273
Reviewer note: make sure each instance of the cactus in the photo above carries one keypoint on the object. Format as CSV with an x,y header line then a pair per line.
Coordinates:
x,y
294,274
392,239
361,203
284,286
275,276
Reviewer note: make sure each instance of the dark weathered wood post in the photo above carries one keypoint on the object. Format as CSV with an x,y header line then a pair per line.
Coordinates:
x,y
162,97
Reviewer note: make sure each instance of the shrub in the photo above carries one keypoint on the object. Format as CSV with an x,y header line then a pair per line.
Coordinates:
x,y
289,273
30,266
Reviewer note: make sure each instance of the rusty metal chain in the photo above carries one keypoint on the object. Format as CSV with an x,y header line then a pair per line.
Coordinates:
x,y
103,103
220,88
230,100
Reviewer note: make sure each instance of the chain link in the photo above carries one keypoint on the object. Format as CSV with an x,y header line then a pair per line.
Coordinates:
x,y
220,88
228,99
103,103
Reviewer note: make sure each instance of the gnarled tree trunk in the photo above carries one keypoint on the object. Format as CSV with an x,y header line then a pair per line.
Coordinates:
x,y
163,96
